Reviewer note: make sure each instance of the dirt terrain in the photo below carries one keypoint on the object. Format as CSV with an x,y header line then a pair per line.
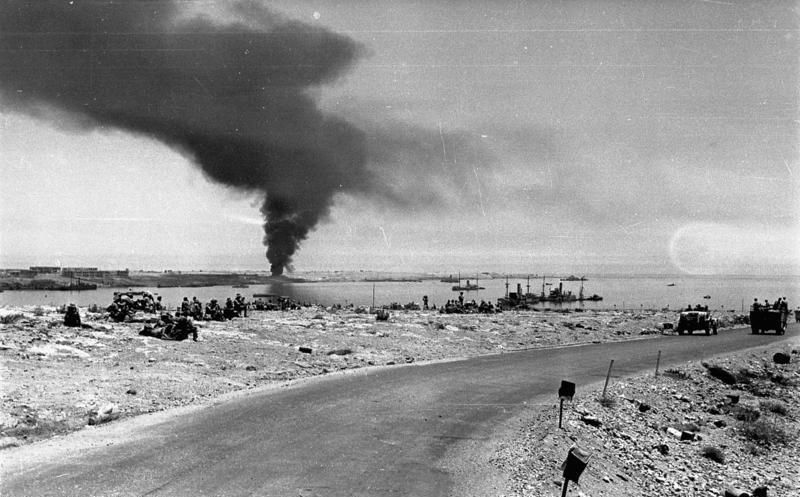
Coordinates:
x,y
55,378
699,430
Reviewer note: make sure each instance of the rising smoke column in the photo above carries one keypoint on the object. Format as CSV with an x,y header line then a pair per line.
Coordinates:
x,y
233,96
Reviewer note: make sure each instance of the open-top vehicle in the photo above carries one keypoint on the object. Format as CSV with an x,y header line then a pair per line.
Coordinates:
x,y
694,320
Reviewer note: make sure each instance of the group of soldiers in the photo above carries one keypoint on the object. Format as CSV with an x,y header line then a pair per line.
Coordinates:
x,y
169,328
461,307
126,304
779,305
213,311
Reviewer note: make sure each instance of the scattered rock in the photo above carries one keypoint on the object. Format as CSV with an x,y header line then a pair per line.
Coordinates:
x,y
105,414
673,432
781,358
735,492
305,350
340,352
591,421
7,442
250,368
131,391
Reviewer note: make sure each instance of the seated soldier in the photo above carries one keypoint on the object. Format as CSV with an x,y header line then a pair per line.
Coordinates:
x,y
197,309
72,317
239,305
186,307
229,312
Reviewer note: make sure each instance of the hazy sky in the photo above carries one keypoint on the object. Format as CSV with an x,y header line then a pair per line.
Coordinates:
x,y
438,135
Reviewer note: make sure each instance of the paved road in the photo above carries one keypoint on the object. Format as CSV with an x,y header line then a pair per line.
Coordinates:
x,y
379,432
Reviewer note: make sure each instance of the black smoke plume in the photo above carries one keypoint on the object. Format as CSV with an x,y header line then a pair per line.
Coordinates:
x,y
233,95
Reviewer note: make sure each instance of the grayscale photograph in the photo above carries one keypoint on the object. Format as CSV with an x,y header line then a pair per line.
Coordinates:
x,y
445,248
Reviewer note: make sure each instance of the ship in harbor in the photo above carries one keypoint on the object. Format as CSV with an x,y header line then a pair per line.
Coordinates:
x,y
591,298
558,294
468,287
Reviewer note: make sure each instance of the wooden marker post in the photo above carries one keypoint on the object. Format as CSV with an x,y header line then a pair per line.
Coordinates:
x,y
658,361
608,375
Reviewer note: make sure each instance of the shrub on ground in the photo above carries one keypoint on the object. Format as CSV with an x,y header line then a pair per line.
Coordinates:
x,y
676,373
773,406
713,453
607,401
764,433
11,318
745,414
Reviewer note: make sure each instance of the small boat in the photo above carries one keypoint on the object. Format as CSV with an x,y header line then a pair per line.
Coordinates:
x,y
671,284
706,296
468,287
451,279
591,298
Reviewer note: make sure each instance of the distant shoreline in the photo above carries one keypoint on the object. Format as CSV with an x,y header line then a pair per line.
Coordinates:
x,y
190,279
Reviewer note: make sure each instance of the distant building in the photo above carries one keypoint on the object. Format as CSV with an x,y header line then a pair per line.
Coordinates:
x,y
81,272
67,272
18,273
45,269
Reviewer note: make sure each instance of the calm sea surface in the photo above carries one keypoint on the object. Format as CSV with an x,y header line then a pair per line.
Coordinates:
x,y
620,292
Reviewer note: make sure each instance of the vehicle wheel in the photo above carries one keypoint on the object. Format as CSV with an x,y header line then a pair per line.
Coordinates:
x,y
680,332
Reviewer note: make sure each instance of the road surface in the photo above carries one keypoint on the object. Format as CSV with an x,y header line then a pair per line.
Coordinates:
x,y
385,431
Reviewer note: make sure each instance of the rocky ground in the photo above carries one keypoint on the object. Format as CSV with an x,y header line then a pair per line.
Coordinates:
x,y
57,379
698,430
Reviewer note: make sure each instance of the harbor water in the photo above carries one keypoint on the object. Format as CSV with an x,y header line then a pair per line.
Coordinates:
x,y
630,292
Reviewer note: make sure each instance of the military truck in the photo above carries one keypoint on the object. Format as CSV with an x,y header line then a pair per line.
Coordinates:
x,y
763,319
690,321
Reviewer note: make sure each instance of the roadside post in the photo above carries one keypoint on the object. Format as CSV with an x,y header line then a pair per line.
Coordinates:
x,y
658,361
608,375
573,466
565,392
